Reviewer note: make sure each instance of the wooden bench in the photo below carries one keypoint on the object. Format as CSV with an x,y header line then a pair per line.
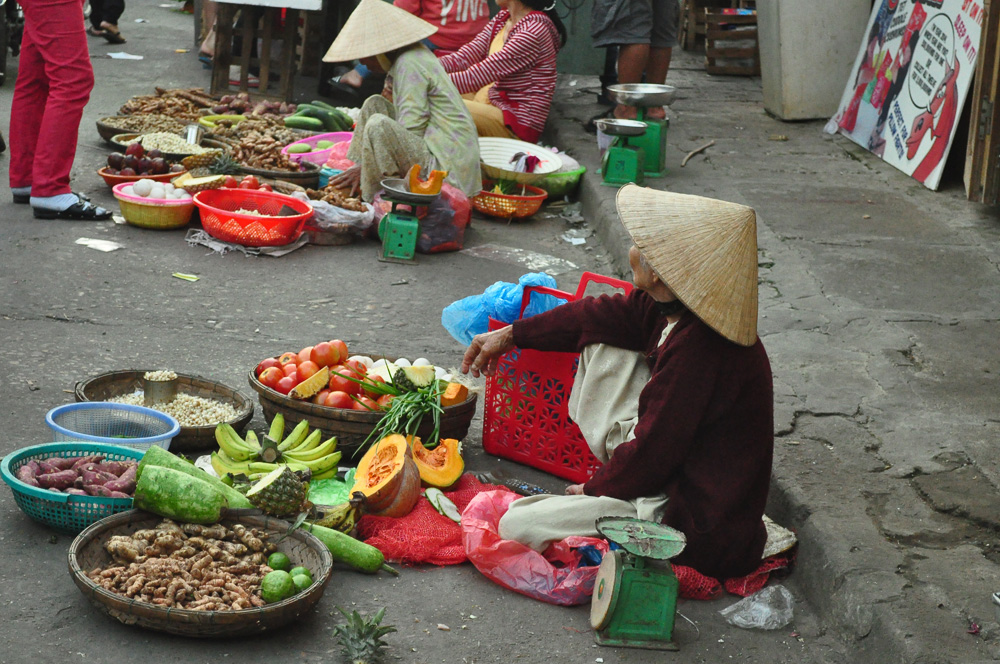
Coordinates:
x,y
731,44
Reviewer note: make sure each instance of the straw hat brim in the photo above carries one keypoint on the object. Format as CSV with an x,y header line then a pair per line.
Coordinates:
x,y
376,27
704,250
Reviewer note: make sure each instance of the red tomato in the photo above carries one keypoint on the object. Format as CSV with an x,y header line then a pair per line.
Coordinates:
x,y
249,182
304,354
341,347
285,385
288,358
342,384
265,187
295,377
266,364
323,354
269,377
320,397
230,182
365,404
289,368
307,369
336,399
372,393
357,367
384,401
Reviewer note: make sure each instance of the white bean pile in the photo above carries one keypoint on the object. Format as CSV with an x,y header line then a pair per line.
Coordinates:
x,y
189,410
159,376
167,142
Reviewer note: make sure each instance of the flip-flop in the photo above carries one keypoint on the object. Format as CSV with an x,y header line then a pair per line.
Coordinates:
x,y
206,60
96,32
113,37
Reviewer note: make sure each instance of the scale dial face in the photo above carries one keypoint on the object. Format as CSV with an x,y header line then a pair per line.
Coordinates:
x,y
602,603
646,539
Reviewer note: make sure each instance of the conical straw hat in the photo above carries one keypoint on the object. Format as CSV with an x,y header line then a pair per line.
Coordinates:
x,y
375,27
704,250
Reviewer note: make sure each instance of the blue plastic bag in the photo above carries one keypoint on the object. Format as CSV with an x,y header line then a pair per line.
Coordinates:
x,y
471,315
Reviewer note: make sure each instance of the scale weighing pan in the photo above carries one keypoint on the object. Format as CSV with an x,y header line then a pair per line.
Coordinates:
x,y
398,191
646,539
616,127
642,94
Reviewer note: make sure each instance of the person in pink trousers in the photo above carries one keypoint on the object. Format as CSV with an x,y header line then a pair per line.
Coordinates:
x,y
54,81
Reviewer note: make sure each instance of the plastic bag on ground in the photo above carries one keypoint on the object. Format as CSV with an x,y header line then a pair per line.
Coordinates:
x,y
329,217
471,315
519,568
769,608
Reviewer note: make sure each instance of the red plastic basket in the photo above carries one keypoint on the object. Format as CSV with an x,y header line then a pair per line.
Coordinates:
x,y
509,206
219,216
526,413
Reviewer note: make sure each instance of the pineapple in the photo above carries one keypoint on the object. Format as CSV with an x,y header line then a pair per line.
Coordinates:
x,y
202,159
196,184
361,637
279,493
224,164
410,379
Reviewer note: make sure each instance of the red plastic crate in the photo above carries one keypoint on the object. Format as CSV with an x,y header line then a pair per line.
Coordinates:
x,y
526,412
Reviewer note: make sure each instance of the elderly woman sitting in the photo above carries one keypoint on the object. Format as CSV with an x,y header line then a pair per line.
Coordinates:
x,y
426,122
673,392
507,73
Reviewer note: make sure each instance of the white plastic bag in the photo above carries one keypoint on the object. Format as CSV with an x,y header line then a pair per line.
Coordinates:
x,y
329,217
768,608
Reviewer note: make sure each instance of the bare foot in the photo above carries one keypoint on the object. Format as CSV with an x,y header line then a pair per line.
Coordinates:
x,y
656,113
625,112
352,78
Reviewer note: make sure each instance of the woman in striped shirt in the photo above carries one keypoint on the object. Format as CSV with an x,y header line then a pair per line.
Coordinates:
x,y
507,73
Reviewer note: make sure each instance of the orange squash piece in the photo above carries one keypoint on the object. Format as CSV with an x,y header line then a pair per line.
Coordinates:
x,y
440,467
454,394
432,185
389,477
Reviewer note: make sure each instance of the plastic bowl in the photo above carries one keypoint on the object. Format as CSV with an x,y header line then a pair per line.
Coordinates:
x,y
113,180
155,213
317,156
112,424
220,219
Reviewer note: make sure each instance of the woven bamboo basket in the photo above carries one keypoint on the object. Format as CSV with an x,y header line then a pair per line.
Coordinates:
x,y
117,383
308,177
87,553
352,427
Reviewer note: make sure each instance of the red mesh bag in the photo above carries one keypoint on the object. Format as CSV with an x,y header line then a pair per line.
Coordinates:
x,y
424,535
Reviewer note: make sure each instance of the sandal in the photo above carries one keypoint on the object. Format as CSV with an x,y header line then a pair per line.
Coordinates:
x,y
113,37
96,32
83,210
24,199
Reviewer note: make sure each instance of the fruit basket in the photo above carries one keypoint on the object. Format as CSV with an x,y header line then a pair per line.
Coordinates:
x,y
121,141
509,206
113,180
221,218
316,156
307,176
112,424
62,511
190,438
352,427
155,213
87,553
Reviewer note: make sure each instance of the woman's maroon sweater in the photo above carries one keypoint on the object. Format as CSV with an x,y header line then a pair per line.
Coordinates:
x,y
705,435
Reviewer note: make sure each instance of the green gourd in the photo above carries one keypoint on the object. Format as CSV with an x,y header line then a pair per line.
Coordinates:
x,y
157,456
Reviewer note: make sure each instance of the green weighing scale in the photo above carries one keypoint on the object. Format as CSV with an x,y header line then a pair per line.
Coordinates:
x,y
399,229
635,593
636,152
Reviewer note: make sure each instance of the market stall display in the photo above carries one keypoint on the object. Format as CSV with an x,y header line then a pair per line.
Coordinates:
x,y
500,157
508,200
94,569
172,147
141,123
70,509
201,404
252,218
316,149
167,212
113,424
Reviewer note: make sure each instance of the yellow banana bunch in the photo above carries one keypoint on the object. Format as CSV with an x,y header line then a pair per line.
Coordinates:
x,y
311,453
342,517
235,447
301,450
223,463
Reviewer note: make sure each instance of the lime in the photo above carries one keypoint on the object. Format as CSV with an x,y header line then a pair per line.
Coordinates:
x,y
279,561
301,582
295,571
276,586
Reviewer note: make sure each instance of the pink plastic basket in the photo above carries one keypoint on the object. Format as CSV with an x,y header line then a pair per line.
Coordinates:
x,y
526,414
317,156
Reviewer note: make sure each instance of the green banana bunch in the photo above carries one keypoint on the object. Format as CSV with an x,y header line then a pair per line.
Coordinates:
x,y
342,517
222,463
301,450
235,447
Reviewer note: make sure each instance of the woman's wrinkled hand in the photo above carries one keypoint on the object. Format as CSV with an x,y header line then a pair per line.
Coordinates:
x,y
484,352
349,179
574,490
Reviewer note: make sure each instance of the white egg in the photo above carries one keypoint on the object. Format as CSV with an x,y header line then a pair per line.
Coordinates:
x,y
363,359
380,363
402,362
167,187
143,187
129,190
184,194
421,362
438,372
446,377
157,192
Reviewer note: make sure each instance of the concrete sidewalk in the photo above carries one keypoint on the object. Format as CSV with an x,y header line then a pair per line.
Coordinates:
x,y
878,307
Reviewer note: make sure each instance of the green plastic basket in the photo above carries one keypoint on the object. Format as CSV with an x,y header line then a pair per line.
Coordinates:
x,y
560,184
65,512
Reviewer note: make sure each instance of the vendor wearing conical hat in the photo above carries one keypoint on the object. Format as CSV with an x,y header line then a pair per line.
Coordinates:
x,y
426,122
673,392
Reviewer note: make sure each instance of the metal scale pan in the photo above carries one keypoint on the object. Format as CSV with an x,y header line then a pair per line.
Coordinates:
x,y
398,191
616,127
642,94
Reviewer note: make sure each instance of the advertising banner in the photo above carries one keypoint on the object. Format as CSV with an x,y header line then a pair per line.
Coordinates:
x,y
910,81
